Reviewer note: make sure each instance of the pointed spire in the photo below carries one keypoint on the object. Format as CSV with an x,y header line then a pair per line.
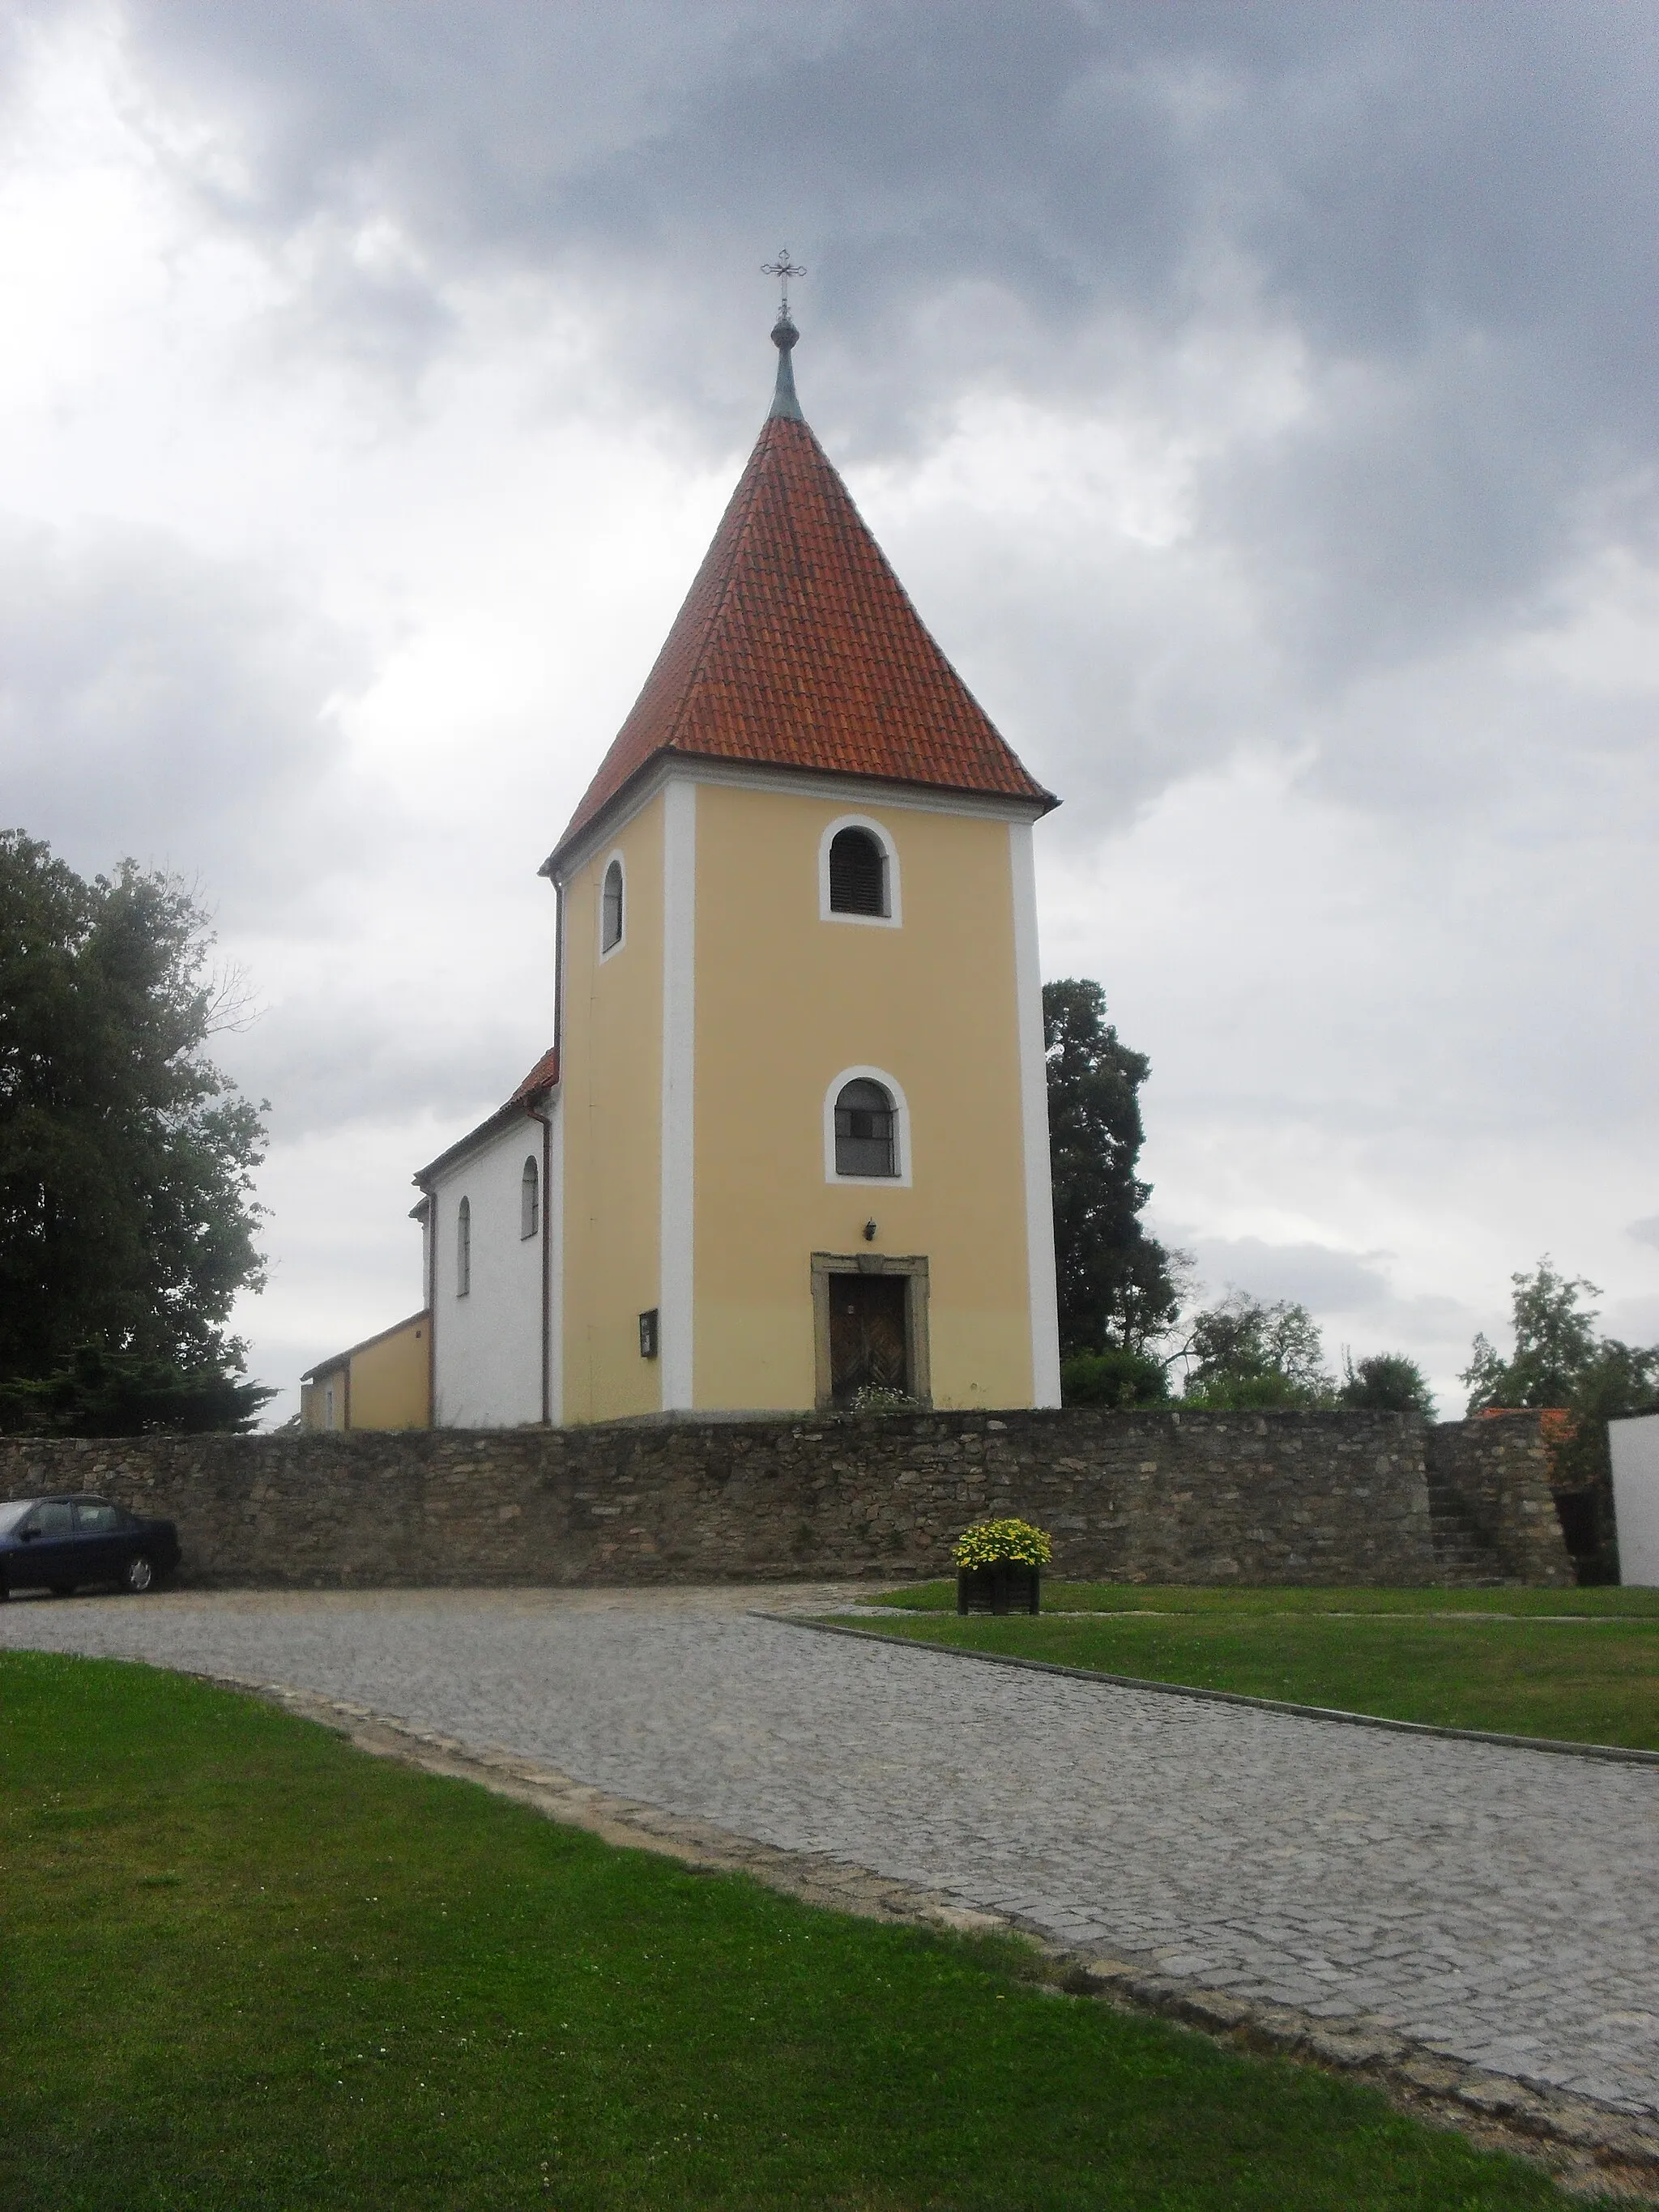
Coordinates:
x,y
785,405
786,408
798,649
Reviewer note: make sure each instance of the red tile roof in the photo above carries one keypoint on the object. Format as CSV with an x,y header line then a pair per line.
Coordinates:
x,y
542,1076
798,648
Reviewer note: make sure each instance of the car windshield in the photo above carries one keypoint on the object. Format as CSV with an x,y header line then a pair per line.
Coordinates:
x,y
12,1512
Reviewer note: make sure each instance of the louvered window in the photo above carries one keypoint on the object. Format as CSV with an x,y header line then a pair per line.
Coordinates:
x,y
858,873
866,1124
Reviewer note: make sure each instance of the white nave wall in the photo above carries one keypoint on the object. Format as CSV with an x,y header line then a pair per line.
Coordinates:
x,y
486,1344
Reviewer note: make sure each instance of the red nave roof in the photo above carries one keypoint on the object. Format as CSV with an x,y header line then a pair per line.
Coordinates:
x,y
798,648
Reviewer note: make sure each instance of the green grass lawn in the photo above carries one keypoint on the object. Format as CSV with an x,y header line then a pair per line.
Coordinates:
x,y
244,1965
1592,1679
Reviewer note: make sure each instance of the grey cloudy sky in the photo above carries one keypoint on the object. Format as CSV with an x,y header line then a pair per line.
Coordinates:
x,y
1262,404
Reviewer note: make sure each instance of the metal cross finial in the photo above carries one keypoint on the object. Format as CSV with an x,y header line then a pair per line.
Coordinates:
x,y
783,269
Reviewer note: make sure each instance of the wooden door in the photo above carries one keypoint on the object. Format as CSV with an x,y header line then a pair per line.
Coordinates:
x,y
868,1344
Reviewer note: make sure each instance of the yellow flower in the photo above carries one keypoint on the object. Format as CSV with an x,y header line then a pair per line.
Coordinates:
x,y
999,1543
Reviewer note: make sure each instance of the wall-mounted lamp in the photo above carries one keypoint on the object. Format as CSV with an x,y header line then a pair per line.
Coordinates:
x,y
648,1334
869,1232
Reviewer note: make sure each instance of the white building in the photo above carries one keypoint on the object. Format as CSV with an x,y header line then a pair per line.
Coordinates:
x,y
489,1274
1635,1447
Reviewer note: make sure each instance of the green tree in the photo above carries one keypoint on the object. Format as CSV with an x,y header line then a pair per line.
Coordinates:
x,y
122,1394
1243,1353
1388,1382
1116,1377
1561,1359
1119,1288
127,1218
1555,1342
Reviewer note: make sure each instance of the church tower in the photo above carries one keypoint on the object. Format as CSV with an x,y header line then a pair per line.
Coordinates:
x,y
800,1148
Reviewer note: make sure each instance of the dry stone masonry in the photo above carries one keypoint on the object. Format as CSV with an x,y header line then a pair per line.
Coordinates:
x,y
1490,1497
1164,1496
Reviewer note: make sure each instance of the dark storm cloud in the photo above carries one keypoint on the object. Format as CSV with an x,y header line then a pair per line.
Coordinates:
x,y
157,703
1391,167
1447,211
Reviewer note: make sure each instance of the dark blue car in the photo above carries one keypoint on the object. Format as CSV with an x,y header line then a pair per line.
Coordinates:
x,y
58,1543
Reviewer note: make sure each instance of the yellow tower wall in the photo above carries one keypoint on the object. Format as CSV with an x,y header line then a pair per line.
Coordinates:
x,y
610,1088
785,1000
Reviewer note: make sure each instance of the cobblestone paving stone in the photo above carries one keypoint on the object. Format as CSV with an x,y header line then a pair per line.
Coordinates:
x,y
1499,1906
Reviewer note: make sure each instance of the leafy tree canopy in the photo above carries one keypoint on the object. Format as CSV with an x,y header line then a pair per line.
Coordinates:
x,y
1116,1377
1245,1354
1558,1349
127,1218
1389,1382
1561,1359
1118,1286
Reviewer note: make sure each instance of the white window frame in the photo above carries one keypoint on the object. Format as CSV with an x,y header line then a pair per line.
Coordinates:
x,y
894,917
529,1179
901,1135
464,1248
613,860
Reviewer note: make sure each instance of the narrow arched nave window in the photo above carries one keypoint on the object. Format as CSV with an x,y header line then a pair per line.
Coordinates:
x,y
611,923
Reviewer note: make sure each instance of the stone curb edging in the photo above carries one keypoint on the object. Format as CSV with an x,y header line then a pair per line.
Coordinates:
x,y
1617,1752
1588,2147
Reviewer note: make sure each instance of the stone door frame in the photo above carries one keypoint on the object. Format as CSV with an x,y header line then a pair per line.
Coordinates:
x,y
913,1267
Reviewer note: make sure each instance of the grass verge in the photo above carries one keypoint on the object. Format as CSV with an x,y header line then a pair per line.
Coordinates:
x,y
247,1966
1591,1680
1600,1604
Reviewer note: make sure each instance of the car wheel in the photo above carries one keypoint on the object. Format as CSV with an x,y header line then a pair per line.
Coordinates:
x,y
63,1590
140,1574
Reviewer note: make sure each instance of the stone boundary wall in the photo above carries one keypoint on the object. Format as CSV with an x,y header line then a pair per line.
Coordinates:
x,y
1135,1497
1495,1476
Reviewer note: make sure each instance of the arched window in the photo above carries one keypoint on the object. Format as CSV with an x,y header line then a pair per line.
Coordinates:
x,y
610,909
858,873
464,1249
866,1130
530,1198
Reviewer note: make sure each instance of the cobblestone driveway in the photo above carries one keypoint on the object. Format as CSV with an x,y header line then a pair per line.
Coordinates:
x,y
1501,1907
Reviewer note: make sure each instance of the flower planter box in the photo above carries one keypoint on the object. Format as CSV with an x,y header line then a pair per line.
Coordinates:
x,y
1002,1589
